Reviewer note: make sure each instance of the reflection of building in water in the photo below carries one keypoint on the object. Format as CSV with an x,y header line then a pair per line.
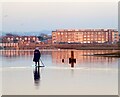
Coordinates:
x,y
12,53
57,56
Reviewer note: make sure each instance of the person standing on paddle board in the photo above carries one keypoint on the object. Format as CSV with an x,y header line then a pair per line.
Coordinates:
x,y
37,56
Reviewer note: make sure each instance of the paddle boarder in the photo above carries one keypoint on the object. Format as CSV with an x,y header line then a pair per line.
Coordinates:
x,y
37,56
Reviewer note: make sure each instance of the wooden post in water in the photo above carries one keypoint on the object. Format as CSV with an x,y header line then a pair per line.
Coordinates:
x,y
72,60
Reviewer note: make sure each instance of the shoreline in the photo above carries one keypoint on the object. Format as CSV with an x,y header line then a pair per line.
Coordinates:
x,y
114,54
55,49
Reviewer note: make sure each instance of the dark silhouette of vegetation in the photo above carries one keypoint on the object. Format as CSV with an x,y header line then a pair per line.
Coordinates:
x,y
40,38
43,37
15,41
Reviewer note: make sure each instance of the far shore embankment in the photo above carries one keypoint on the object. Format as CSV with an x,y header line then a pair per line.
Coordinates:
x,y
87,46
66,46
113,54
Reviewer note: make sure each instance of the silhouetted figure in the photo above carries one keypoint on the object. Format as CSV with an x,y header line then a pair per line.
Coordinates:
x,y
62,60
37,56
72,60
37,76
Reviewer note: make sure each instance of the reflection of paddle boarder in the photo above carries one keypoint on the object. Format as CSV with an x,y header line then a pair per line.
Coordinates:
x,y
37,76
37,56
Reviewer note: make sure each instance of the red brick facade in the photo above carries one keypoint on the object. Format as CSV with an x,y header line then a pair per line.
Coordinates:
x,y
85,36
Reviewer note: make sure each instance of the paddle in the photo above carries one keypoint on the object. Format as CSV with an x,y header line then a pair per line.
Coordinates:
x,y
42,63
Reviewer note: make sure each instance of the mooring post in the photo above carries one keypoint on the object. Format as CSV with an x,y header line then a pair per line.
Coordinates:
x,y
72,59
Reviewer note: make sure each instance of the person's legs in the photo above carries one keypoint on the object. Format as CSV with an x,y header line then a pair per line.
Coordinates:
x,y
38,63
35,63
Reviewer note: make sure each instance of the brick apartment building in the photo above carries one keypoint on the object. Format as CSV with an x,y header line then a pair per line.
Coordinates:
x,y
14,39
85,36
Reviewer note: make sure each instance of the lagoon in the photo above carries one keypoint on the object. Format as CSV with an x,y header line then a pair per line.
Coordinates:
x,y
91,75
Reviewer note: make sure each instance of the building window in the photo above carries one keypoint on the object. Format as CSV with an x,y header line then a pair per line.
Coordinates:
x,y
33,38
11,38
99,32
8,38
17,38
25,38
28,38
88,41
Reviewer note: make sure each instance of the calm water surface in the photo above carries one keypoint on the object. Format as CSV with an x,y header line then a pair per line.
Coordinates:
x,y
90,75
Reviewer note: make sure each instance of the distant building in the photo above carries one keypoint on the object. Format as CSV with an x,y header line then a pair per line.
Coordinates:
x,y
16,39
16,42
85,36
48,41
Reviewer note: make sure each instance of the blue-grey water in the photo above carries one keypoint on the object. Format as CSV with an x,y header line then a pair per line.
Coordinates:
x,y
53,58
90,75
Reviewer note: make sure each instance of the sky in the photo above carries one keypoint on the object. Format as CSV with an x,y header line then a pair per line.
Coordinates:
x,y
44,17
40,15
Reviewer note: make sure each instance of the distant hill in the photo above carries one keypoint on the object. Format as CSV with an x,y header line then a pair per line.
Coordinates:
x,y
32,33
